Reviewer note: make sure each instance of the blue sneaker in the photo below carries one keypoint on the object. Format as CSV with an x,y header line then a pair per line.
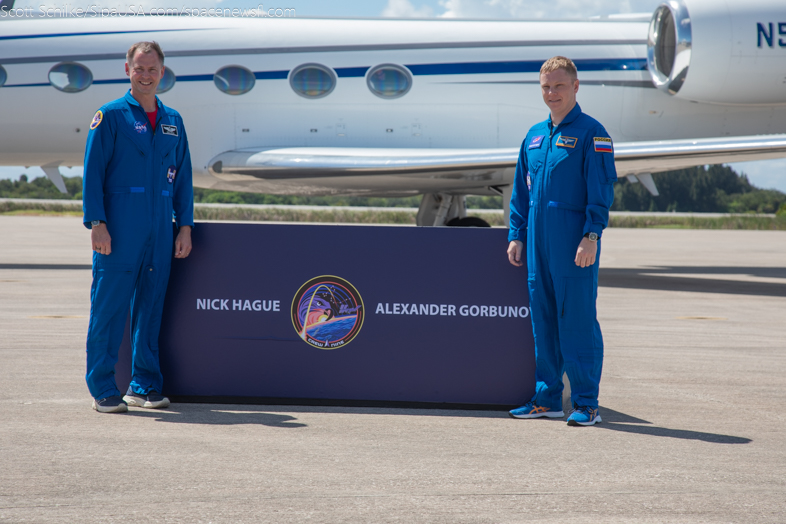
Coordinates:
x,y
584,416
110,405
152,400
532,410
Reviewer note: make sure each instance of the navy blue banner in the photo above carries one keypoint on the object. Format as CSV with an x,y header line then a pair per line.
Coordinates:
x,y
353,313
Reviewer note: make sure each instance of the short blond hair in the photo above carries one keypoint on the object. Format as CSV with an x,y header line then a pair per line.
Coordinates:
x,y
560,62
144,47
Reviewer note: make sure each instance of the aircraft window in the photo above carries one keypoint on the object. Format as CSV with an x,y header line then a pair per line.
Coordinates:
x,y
389,81
312,80
234,80
70,77
167,82
3,76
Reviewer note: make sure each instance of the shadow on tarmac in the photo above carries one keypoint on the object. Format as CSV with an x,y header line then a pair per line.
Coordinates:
x,y
46,266
660,278
219,416
226,415
616,421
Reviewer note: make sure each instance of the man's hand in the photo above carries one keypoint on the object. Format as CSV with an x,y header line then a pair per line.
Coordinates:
x,y
102,242
585,255
183,242
515,249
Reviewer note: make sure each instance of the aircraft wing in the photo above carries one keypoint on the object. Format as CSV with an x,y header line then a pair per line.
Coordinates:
x,y
462,169
634,158
316,162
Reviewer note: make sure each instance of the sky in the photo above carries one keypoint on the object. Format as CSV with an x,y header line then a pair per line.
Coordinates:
x,y
764,174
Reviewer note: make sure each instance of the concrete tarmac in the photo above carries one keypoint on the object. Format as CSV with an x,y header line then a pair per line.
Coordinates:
x,y
692,400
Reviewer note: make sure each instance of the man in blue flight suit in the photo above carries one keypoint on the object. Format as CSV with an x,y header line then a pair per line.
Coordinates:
x,y
560,205
137,177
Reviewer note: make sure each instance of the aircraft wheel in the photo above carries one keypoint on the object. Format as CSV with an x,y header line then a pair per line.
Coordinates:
x,y
467,222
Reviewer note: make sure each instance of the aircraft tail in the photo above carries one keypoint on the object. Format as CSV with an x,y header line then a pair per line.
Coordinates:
x,y
6,5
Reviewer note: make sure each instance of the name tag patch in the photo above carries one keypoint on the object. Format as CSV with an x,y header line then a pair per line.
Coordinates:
x,y
603,144
566,141
169,130
535,142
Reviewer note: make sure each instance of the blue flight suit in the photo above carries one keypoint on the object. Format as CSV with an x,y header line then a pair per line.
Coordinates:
x,y
137,177
563,189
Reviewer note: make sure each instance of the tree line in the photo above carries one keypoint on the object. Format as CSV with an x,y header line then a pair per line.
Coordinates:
x,y
710,189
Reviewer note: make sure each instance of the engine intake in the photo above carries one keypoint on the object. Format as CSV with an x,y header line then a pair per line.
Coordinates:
x,y
669,46
719,52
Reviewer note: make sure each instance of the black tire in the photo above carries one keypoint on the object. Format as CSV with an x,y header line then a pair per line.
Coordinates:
x,y
467,222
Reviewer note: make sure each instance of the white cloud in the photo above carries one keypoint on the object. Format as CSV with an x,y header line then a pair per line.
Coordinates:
x,y
405,9
766,174
529,9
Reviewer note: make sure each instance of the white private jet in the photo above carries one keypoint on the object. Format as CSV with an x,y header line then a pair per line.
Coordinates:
x,y
401,107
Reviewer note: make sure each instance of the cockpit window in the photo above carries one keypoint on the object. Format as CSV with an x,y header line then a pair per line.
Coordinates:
x,y
167,82
389,80
234,80
312,80
70,77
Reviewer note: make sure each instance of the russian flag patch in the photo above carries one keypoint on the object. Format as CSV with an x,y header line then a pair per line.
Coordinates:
x,y
603,144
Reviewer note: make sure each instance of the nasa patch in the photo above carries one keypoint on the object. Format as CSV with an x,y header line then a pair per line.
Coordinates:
x,y
170,174
536,141
566,141
99,116
169,130
140,127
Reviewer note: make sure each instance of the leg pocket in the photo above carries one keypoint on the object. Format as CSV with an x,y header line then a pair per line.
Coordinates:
x,y
578,314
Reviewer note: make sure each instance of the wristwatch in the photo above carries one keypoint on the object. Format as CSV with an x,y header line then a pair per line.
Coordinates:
x,y
593,237
95,223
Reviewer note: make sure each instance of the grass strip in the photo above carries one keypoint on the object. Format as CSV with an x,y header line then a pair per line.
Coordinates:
x,y
753,222
404,217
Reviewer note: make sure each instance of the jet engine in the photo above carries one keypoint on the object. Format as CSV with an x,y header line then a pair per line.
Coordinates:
x,y
719,51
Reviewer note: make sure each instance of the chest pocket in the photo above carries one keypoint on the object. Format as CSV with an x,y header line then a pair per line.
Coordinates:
x,y
141,141
166,145
564,152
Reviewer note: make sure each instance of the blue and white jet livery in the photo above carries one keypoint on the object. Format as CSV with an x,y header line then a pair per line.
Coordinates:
x,y
404,107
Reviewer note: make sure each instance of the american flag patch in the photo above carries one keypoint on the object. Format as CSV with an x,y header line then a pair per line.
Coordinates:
x,y
603,144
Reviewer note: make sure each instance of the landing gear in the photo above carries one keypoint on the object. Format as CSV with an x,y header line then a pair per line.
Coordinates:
x,y
467,222
444,209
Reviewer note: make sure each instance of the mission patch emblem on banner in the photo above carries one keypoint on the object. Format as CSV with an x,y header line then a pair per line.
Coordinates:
x,y
603,144
169,130
99,116
170,174
327,312
567,141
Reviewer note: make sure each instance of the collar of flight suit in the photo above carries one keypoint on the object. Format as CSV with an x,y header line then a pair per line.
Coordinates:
x,y
572,115
133,102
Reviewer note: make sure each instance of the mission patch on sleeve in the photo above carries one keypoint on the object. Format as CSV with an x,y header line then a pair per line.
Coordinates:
x,y
99,116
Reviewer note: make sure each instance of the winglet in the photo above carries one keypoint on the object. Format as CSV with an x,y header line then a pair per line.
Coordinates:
x,y
6,5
